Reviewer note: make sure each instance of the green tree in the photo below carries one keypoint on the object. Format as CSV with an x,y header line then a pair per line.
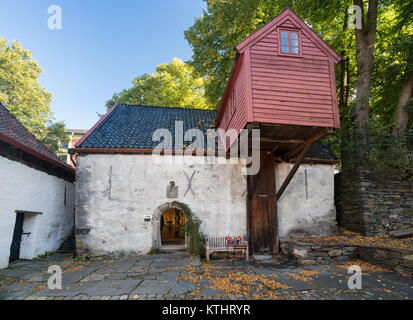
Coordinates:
x,y
24,97
385,42
392,88
175,84
55,136
20,89
226,23
214,35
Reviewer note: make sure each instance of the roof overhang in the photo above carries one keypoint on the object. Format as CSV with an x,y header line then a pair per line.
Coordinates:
x,y
35,153
148,151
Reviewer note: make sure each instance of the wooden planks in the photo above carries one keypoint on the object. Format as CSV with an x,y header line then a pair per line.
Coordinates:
x,y
262,207
291,90
238,118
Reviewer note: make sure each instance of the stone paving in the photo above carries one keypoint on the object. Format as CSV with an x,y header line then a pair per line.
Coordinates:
x,y
179,276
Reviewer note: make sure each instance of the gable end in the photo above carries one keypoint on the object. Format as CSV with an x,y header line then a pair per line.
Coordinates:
x,y
288,19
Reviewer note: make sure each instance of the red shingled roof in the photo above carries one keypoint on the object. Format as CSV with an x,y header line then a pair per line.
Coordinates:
x,y
15,134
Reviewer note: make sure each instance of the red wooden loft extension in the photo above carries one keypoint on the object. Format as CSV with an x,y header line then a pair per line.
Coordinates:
x,y
282,82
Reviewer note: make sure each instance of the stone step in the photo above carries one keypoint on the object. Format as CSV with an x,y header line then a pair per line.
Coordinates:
x,y
400,234
69,245
172,250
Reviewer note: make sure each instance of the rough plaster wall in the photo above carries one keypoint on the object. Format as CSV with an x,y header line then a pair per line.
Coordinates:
x,y
138,187
27,189
299,216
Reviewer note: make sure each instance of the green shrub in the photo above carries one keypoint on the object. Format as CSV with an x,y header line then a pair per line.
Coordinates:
x,y
154,251
195,239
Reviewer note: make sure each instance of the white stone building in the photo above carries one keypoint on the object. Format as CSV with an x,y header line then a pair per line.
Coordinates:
x,y
121,189
36,194
282,85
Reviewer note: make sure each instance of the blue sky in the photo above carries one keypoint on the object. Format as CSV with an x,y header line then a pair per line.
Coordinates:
x,y
101,47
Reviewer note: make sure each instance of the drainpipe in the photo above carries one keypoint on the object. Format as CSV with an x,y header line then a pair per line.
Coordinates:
x,y
72,153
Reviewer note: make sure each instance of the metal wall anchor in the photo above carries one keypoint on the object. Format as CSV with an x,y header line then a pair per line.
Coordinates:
x,y
189,183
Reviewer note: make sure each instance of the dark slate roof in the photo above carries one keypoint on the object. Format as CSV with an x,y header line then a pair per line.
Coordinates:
x,y
14,133
132,127
319,151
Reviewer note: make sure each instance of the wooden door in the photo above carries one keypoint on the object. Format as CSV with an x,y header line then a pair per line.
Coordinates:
x,y
262,208
17,237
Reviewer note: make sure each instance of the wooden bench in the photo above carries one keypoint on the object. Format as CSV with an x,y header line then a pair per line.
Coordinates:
x,y
219,244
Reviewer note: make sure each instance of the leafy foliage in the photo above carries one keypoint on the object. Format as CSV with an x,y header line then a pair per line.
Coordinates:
x,y
225,23
393,63
195,239
20,90
155,251
25,98
383,158
214,35
383,153
172,85
55,136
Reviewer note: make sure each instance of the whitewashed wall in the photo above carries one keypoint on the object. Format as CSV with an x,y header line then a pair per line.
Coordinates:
x,y
138,188
27,189
306,209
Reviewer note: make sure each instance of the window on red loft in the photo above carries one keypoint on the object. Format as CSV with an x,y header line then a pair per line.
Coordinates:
x,y
289,42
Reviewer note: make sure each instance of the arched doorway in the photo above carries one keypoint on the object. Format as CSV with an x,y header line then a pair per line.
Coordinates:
x,y
168,227
172,226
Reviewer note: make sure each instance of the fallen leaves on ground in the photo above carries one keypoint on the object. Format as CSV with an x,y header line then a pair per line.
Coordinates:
x,y
73,269
301,278
273,285
365,266
38,288
355,239
236,283
310,273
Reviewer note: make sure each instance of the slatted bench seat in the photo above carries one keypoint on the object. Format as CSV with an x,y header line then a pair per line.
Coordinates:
x,y
219,244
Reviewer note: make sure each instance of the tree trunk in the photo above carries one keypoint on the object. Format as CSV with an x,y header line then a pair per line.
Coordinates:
x,y
365,39
343,102
343,97
402,115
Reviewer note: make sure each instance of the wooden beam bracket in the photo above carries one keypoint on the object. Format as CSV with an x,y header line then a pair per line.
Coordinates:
x,y
304,150
291,174
301,147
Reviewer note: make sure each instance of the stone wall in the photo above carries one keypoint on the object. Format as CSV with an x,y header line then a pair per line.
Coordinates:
x,y
31,190
371,204
309,253
399,260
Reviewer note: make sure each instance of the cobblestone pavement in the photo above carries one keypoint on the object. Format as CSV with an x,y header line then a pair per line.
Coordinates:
x,y
180,276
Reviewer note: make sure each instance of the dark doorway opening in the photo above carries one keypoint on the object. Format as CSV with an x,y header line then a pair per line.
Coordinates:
x,y
173,227
17,237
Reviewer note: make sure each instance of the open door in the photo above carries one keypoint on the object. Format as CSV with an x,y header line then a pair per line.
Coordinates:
x,y
262,208
17,237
